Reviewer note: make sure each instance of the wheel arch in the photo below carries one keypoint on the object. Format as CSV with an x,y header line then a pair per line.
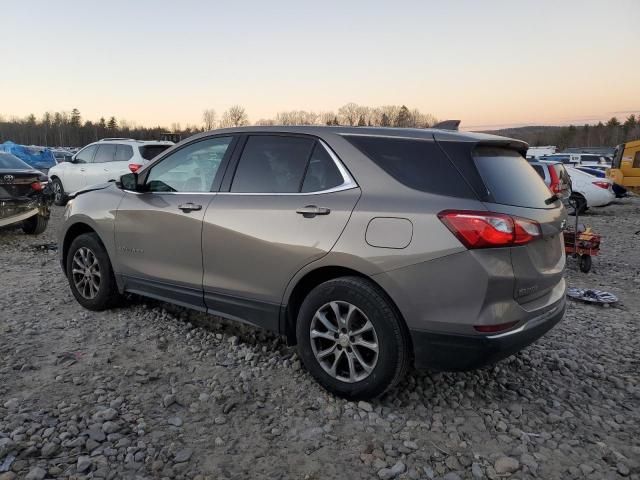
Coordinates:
x,y
312,279
73,232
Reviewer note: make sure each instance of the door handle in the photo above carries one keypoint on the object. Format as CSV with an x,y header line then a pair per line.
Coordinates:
x,y
189,207
82,170
311,211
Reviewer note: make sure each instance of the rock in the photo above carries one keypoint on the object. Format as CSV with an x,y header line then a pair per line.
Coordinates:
x,y
36,473
175,421
393,472
106,414
623,469
110,427
84,463
366,406
96,434
506,465
168,400
451,476
8,476
411,445
49,449
12,404
218,442
452,463
6,446
182,455
476,470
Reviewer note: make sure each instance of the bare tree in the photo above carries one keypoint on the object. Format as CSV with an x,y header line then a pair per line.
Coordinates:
x,y
235,116
326,118
349,113
266,122
209,119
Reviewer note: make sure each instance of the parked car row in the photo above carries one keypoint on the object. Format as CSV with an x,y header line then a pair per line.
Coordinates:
x,y
102,161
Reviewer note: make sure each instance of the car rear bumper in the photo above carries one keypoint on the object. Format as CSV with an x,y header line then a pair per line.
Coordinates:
x,y
18,214
454,352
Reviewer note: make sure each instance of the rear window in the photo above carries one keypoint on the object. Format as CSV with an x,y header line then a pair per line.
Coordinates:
x,y
510,179
150,151
11,162
417,164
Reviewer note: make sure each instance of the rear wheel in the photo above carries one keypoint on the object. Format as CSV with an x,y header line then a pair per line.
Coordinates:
x,y
585,263
35,225
579,202
351,338
90,274
59,197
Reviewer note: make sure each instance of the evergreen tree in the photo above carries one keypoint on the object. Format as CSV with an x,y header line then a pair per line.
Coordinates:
x,y
113,124
404,117
75,118
102,123
384,120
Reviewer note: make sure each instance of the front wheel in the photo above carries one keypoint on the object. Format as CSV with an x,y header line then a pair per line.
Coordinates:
x,y
35,225
90,274
579,202
585,263
351,338
59,197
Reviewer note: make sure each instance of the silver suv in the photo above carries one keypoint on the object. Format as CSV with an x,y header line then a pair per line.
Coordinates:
x,y
372,249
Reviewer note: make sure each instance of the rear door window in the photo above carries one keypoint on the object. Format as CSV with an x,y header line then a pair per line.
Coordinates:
x,y
417,164
105,153
509,178
123,153
272,164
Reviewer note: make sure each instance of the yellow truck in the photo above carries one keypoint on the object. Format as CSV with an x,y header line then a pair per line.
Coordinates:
x,y
625,168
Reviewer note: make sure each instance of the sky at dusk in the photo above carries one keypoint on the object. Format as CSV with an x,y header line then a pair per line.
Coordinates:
x,y
490,63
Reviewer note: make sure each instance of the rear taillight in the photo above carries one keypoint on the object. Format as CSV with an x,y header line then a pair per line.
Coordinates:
x,y
38,186
604,185
488,229
554,185
134,167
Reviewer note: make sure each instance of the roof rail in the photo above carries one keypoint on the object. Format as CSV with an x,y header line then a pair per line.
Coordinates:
x,y
115,138
447,125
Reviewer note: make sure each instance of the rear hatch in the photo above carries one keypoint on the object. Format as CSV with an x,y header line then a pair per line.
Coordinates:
x,y
149,152
507,184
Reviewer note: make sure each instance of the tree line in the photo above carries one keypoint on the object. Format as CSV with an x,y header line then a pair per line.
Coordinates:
x,y
71,130
609,134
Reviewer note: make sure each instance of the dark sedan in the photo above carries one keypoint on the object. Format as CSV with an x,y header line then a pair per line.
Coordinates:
x,y
25,195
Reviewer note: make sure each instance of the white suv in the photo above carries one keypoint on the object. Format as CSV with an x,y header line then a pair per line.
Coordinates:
x,y
101,162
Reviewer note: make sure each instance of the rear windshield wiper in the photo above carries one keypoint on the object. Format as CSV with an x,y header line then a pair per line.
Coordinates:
x,y
552,199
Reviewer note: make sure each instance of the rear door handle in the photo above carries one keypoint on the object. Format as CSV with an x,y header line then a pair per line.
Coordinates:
x,y
311,211
189,207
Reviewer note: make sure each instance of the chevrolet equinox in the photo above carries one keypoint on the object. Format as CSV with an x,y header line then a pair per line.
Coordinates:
x,y
372,249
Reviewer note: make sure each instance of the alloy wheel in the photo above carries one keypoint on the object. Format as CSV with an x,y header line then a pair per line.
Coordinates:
x,y
344,341
57,191
86,273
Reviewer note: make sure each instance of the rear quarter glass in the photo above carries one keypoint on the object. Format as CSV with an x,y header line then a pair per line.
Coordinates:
x,y
416,163
509,178
151,151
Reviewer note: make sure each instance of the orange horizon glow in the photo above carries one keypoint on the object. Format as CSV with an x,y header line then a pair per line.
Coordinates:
x,y
490,64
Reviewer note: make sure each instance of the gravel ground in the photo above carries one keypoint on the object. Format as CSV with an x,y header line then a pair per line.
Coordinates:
x,y
153,391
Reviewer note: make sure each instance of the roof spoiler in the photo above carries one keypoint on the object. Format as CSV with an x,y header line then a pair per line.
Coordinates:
x,y
447,125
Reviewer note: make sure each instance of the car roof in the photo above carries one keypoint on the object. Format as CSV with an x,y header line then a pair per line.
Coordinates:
x,y
413,133
132,140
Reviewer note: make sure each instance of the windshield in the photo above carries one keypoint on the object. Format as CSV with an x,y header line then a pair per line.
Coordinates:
x,y
150,151
510,179
10,162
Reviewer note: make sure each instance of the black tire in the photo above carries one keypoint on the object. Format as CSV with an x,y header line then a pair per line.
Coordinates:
x,y
107,295
35,225
393,341
580,204
59,195
585,263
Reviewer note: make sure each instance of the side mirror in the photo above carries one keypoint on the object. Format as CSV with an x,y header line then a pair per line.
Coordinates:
x,y
128,181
